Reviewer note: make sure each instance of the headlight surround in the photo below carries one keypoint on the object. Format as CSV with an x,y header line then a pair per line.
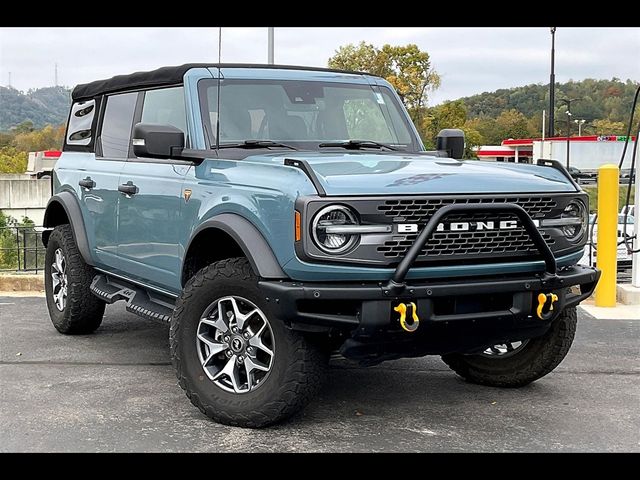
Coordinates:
x,y
577,212
334,215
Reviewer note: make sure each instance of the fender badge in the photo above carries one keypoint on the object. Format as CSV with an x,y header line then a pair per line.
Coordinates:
x,y
187,194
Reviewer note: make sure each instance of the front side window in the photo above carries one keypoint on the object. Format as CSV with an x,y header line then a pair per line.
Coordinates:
x,y
165,106
115,136
306,113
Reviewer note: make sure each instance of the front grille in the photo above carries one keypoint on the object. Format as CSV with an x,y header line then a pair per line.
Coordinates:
x,y
445,245
419,210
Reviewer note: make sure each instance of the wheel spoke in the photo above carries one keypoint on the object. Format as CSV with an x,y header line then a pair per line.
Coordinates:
x,y
59,261
241,318
252,365
256,342
230,371
214,347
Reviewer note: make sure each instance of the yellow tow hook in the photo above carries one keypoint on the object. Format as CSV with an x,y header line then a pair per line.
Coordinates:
x,y
542,300
415,321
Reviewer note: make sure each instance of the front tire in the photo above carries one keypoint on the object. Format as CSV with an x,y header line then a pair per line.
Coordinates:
x,y
73,309
506,366
236,362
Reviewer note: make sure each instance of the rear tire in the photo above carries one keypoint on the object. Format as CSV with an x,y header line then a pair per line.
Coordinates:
x,y
204,345
538,357
73,309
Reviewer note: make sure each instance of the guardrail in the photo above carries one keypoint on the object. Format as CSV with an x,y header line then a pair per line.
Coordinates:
x,y
21,248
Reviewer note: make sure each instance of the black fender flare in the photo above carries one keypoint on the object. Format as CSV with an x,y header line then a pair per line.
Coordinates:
x,y
69,202
260,255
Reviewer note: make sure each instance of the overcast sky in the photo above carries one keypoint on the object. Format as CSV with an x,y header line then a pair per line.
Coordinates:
x,y
470,60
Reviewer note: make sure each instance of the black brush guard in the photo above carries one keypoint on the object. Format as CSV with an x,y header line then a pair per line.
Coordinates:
x,y
317,306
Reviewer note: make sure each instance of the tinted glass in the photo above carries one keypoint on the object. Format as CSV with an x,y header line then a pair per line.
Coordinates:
x,y
116,126
166,107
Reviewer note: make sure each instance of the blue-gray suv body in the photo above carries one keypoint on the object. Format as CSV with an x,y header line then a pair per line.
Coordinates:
x,y
276,214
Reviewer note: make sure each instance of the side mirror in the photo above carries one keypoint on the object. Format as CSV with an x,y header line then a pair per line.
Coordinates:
x,y
451,140
157,141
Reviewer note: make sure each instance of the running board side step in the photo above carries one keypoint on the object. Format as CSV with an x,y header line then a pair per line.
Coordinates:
x,y
152,307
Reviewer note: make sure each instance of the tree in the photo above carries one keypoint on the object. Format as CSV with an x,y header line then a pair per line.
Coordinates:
x,y
407,68
446,115
512,124
607,127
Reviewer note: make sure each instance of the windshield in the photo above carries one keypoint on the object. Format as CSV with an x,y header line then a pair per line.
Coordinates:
x,y
303,113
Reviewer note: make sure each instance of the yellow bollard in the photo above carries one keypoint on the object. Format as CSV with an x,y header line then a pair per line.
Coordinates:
x,y
607,241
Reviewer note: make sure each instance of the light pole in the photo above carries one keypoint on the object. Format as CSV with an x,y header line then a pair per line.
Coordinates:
x,y
568,101
552,82
580,123
270,56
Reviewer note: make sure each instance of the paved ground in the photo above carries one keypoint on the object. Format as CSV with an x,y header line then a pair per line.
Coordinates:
x,y
116,391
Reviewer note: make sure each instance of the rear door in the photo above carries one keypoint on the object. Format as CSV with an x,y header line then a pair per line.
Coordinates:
x,y
99,195
149,221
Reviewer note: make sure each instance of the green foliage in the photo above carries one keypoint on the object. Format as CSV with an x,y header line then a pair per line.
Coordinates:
x,y
19,243
592,191
41,106
407,68
16,145
12,160
599,100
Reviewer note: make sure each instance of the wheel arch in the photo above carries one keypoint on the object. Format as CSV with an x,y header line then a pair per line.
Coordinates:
x,y
233,236
64,208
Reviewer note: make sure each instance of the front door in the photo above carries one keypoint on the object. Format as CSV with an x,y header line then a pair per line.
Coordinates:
x,y
149,219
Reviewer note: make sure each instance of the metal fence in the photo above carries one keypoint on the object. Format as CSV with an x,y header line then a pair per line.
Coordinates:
x,y
21,249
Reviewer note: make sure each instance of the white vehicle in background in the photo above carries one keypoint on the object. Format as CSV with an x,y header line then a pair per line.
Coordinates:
x,y
624,258
42,163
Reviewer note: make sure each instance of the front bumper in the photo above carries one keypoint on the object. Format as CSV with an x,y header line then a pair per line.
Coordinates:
x,y
368,307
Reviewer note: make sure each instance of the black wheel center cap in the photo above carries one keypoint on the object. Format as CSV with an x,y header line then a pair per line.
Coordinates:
x,y
237,344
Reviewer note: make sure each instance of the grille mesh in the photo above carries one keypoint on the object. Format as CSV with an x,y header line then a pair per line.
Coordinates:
x,y
420,210
448,244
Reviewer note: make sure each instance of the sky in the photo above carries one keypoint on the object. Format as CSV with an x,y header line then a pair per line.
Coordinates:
x,y
469,60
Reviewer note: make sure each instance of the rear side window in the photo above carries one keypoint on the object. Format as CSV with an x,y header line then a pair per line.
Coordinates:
x,y
166,107
115,136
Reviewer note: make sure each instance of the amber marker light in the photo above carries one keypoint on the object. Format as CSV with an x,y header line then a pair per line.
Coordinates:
x,y
297,225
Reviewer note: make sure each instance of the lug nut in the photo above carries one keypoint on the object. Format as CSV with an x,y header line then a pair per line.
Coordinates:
x,y
246,335
234,329
249,349
227,338
229,353
241,358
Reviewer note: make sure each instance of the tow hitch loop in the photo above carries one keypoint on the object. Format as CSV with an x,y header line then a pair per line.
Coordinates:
x,y
412,315
543,298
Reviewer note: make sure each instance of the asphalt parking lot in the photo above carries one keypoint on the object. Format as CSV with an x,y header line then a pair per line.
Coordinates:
x,y
116,391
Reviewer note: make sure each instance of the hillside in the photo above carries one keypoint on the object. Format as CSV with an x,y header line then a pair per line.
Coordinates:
x,y
600,99
49,105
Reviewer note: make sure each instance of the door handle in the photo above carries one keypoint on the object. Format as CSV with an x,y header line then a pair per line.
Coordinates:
x,y
128,188
87,183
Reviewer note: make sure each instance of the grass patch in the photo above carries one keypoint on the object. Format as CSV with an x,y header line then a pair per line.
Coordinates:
x,y
592,191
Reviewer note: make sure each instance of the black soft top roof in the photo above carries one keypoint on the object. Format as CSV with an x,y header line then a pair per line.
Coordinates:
x,y
169,76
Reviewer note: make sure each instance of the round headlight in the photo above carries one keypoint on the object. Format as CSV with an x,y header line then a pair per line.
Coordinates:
x,y
576,214
324,227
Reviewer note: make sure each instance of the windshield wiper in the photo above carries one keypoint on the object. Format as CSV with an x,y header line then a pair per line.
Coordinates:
x,y
257,144
357,144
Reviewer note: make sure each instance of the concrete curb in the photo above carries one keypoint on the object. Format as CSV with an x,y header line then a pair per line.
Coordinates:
x,y
22,282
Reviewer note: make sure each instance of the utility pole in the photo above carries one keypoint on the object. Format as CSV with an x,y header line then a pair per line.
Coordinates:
x,y
270,56
552,82
568,101
56,74
9,85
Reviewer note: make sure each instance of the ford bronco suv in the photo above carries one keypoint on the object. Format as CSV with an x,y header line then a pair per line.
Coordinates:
x,y
277,215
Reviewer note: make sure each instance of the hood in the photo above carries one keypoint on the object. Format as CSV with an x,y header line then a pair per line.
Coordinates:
x,y
367,173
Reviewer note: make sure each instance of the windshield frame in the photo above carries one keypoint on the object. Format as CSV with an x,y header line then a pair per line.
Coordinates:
x,y
205,84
